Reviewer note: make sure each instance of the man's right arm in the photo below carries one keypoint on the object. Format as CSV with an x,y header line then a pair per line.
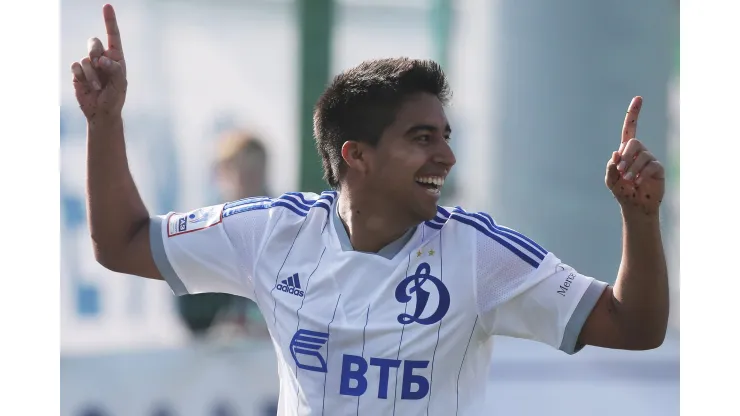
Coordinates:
x,y
206,250
118,218
211,249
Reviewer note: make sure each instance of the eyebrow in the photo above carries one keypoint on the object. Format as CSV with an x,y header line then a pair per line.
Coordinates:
x,y
418,128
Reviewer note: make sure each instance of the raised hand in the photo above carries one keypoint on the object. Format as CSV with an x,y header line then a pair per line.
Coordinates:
x,y
633,174
99,78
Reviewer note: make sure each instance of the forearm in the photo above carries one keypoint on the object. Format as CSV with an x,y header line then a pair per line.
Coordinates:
x,y
116,211
641,288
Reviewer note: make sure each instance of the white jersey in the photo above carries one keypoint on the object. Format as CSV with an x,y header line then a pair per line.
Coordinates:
x,y
404,331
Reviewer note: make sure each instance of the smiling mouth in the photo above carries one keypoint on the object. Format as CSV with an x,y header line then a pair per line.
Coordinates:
x,y
432,184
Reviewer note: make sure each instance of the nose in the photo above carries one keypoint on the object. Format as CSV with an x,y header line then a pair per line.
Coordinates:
x,y
444,155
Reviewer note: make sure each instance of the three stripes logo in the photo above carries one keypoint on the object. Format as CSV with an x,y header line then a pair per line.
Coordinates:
x,y
291,285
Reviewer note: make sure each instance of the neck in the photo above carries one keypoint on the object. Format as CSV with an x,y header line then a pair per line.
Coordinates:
x,y
370,224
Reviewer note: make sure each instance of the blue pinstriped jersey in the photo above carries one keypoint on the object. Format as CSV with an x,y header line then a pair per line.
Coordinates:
x,y
407,330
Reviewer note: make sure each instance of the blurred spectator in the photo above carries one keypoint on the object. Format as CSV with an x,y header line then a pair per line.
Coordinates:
x,y
241,166
240,170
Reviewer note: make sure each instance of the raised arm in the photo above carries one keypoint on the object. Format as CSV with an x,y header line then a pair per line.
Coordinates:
x,y
532,295
634,314
118,219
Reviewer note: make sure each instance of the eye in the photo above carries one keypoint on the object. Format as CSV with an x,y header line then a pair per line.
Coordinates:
x,y
424,138
448,138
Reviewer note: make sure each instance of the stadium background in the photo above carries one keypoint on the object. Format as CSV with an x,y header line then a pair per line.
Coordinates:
x,y
540,93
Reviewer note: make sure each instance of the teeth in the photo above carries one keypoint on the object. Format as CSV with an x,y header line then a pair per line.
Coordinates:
x,y
434,180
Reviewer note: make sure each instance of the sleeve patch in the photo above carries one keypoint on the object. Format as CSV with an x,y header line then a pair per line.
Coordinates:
x,y
200,219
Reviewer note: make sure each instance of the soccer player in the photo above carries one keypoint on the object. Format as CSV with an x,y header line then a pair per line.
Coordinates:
x,y
378,301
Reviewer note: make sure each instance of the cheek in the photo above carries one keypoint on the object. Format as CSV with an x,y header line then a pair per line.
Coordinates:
x,y
395,166
411,161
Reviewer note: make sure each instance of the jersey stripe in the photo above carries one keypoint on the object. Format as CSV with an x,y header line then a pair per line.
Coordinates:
x,y
439,328
234,208
511,236
285,201
328,343
298,203
457,389
400,341
439,220
292,199
298,323
326,195
503,233
267,238
284,204
277,276
249,200
509,230
434,225
459,217
367,318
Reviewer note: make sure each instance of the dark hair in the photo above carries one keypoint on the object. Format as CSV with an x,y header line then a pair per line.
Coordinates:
x,y
362,101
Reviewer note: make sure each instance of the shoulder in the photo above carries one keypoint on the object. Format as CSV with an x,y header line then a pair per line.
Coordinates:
x,y
290,204
282,215
487,233
472,223
305,203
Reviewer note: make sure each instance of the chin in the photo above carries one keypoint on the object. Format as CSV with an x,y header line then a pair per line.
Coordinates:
x,y
425,211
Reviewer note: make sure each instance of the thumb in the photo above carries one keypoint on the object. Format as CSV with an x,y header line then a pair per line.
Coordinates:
x,y
612,174
115,73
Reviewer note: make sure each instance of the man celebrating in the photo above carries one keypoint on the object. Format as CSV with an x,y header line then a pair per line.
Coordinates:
x,y
378,300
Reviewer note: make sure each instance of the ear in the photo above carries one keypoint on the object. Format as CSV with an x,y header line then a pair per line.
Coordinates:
x,y
355,155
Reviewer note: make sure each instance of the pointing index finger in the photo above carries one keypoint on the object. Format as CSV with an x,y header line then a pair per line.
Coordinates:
x,y
111,28
630,120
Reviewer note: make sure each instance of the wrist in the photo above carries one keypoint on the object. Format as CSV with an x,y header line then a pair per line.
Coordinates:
x,y
100,122
638,214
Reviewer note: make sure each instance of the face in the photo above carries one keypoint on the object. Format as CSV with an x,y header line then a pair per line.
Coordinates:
x,y
241,177
413,157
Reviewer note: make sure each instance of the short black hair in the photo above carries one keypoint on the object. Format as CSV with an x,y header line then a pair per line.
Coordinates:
x,y
362,101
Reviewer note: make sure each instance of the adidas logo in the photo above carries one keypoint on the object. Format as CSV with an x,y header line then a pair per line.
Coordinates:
x,y
291,285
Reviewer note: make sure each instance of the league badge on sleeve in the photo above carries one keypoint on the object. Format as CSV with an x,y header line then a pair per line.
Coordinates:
x,y
193,221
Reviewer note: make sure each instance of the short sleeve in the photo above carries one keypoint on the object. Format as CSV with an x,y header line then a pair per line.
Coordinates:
x,y
211,249
524,291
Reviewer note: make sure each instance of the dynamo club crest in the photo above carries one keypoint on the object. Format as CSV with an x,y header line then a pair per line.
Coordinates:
x,y
417,286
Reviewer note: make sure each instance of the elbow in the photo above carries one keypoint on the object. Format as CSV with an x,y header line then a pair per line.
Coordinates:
x,y
656,330
648,337
112,249
122,251
658,335
106,258
650,343
108,255
641,330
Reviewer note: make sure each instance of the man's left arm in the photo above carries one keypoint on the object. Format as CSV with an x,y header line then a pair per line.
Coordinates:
x,y
633,314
